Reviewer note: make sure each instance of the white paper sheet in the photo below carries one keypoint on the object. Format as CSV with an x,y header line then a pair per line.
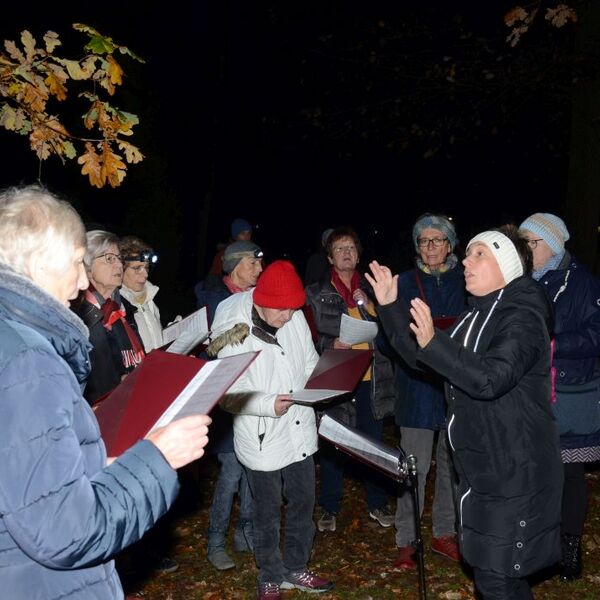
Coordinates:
x,y
356,331
309,397
187,333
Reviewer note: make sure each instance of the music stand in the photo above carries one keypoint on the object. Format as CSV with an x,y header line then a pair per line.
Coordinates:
x,y
392,462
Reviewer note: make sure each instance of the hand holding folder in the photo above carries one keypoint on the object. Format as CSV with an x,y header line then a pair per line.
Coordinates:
x,y
164,387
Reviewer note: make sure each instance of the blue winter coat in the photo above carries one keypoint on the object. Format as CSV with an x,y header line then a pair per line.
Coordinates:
x,y
420,394
64,513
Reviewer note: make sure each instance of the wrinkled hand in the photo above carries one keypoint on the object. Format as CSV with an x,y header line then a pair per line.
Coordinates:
x,y
182,441
282,404
423,323
337,345
359,295
385,285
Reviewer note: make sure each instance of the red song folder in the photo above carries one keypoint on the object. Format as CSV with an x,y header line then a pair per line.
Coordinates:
x,y
164,387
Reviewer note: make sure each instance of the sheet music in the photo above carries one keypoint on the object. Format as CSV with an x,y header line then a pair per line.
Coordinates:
x,y
199,395
187,333
360,445
309,397
356,331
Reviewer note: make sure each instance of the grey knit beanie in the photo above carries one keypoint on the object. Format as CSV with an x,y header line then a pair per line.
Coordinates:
x,y
238,250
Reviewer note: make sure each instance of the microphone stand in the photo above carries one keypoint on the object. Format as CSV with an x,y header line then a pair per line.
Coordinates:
x,y
411,462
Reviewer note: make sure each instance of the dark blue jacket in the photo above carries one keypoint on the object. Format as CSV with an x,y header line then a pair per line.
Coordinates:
x,y
420,394
64,513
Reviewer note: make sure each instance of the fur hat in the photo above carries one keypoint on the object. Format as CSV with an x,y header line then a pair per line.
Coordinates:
x,y
504,251
238,250
439,222
239,225
279,287
550,228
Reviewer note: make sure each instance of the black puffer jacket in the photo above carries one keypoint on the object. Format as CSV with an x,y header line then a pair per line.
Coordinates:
x,y
496,362
327,307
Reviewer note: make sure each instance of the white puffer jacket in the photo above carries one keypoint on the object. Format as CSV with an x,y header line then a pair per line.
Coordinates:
x,y
147,316
263,441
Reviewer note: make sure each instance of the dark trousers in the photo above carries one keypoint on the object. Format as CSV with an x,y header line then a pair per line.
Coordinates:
x,y
574,500
296,484
332,461
496,586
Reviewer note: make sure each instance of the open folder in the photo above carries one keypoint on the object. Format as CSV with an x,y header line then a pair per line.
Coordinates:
x,y
183,336
391,461
337,372
163,388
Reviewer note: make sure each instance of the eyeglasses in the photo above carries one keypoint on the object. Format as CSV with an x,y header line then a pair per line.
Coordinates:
x,y
110,258
340,249
533,243
437,242
140,268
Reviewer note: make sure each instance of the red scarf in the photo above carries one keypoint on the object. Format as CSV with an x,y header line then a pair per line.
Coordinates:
x,y
234,289
340,286
112,312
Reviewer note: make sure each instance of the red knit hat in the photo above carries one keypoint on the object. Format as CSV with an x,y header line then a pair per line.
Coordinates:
x,y
279,287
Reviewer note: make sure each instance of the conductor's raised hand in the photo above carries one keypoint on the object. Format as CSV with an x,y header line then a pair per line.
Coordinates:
x,y
182,441
423,323
384,284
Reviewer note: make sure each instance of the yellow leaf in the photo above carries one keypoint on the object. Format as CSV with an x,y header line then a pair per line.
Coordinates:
x,y
55,85
132,153
74,69
90,160
35,97
113,168
114,71
28,42
8,117
51,40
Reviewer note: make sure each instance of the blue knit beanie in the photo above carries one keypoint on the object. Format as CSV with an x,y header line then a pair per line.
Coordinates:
x,y
439,222
550,228
239,225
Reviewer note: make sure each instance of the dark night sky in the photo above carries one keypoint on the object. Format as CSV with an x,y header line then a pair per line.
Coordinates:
x,y
228,99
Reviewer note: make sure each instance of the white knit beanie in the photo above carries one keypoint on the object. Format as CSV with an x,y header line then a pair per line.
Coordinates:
x,y
550,228
504,251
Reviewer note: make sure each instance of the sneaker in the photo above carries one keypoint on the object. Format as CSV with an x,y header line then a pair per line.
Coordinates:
x,y
446,546
383,516
165,565
306,581
326,522
220,560
267,590
405,560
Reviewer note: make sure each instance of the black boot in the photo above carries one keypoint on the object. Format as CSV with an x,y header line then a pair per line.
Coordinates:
x,y
570,565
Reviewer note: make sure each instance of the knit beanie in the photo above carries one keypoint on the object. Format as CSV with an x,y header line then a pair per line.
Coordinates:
x,y
239,225
504,251
438,222
238,250
279,287
550,228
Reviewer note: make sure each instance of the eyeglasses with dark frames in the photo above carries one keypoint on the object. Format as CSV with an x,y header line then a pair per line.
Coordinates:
x,y
110,258
437,242
533,243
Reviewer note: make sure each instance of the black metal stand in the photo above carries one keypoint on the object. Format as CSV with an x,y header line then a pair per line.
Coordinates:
x,y
413,477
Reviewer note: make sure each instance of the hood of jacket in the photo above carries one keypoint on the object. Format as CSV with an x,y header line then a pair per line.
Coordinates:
x,y
22,301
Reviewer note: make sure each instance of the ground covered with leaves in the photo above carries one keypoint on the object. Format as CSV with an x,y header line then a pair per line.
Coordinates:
x,y
358,556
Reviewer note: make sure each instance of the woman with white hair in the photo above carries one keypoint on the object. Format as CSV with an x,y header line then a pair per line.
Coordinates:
x,y
64,509
116,346
496,364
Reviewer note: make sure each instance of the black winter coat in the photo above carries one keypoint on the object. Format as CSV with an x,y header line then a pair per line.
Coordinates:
x,y
327,306
496,362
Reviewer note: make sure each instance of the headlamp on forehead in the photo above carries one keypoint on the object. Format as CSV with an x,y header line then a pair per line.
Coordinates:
x,y
258,254
148,257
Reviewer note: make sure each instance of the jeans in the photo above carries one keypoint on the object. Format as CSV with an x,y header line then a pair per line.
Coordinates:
x,y
332,461
295,483
232,478
419,442
496,586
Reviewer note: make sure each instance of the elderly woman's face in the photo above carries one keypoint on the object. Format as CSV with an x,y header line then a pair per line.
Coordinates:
x,y
344,255
434,256
106,273
542,253
135,274
66,285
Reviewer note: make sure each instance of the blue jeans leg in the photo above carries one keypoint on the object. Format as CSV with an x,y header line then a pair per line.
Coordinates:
x,y
226,487
296,483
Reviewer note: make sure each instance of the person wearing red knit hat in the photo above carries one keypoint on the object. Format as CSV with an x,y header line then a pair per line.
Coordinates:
x,y
274,438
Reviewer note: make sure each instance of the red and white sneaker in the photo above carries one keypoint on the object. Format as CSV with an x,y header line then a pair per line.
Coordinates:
x,y
306,581
267,590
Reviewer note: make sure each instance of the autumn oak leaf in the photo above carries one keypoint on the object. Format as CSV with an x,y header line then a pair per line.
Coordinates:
x,y
90,160
113,168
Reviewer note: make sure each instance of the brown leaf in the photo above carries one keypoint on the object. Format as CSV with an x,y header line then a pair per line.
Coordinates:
x,y
114,71
113,168
91,165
